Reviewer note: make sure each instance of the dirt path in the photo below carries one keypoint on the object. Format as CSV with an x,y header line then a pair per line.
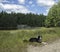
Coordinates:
x,y
53,47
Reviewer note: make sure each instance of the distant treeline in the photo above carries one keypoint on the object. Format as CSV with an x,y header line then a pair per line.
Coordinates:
x,y
11,20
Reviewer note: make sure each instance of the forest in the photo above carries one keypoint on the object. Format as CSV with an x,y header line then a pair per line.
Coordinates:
x,y
11,20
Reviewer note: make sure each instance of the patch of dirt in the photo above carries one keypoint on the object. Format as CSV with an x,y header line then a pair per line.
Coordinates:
x,y
52,47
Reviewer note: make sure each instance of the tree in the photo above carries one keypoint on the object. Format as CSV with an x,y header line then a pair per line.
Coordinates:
x,y
7,21
11,20
53,18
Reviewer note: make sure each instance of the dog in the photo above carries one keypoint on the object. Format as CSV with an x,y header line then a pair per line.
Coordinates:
x,y
39,39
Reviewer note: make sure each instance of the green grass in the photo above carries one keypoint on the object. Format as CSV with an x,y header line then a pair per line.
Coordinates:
x,y
12,40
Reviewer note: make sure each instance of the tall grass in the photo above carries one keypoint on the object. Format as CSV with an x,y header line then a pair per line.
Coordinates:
x,y
12,41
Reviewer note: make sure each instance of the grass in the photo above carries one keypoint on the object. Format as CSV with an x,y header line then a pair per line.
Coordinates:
x,y
12,40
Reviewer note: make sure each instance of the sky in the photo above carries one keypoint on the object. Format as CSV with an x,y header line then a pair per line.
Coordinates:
x,y
27,6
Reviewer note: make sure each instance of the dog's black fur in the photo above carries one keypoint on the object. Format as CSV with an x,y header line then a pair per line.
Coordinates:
x,y
39,39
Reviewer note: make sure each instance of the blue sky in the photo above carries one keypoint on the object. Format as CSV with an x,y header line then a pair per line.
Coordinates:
x,y
27,6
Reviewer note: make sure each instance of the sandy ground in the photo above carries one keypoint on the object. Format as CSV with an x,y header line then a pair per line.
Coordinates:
x,y
52,47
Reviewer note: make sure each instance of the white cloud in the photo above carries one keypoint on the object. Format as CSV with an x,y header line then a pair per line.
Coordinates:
x,y
1,0
21,1
4,1
47,11
46,2
1,8
14,8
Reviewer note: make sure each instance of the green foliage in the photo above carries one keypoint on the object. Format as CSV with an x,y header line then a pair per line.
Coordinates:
x,y
7,21
10,21
53,17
